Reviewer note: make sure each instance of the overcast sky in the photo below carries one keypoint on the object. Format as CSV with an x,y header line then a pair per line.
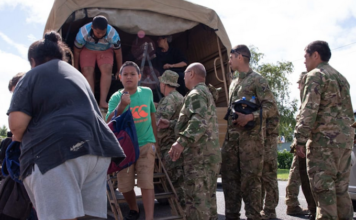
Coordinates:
x,y
280,29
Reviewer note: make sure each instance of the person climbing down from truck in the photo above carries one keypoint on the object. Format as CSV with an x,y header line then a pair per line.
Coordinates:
x,y
139,100
95,43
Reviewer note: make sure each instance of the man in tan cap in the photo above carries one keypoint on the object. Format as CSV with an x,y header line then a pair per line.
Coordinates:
x,y
169,108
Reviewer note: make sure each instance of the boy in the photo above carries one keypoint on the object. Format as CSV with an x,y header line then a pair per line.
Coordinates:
x,y
140,101
95,42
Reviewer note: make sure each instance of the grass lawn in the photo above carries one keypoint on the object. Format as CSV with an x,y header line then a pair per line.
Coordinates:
x,y
283,174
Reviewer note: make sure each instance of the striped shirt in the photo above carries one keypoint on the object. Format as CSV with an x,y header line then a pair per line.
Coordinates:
x,y
85,37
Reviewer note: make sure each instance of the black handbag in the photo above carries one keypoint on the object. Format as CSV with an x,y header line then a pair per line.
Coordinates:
x,y
245,107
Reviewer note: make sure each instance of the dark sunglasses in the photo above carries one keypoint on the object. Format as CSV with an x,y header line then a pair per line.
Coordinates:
x,y
235,51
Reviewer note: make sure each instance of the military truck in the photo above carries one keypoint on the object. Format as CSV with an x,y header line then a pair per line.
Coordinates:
x,y
197,32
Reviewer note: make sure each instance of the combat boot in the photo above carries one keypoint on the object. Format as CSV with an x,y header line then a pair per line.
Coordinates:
x,y
268,214
297,210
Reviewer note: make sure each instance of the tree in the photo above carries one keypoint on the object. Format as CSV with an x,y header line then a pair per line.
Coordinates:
x,y
3,131
277,76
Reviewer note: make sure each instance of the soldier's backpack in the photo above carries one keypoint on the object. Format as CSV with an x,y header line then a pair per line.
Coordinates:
x,y
124,129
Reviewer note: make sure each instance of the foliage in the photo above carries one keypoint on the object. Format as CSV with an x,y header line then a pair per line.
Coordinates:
x,y
282,174
3,131
277,76
285,159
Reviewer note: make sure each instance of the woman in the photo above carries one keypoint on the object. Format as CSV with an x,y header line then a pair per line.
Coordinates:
x,y
170,58
66,145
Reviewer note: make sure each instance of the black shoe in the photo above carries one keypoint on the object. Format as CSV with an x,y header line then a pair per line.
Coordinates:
x,y
311,217
133,215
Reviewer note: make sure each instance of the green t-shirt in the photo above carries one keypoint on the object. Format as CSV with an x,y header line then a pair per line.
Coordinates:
x,y
141,108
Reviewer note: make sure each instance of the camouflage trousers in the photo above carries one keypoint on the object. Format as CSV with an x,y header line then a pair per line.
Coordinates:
x,y
175,173
241,171
270,191
329,173
200,181
293,185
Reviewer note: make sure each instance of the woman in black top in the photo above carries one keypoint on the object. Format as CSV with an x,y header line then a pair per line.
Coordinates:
x,y
169,58
66,144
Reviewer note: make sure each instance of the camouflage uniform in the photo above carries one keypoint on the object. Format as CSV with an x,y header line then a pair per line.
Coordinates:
x,y
302,164
168,108
242,151
197,131
292,188
303,176
270,166
324,127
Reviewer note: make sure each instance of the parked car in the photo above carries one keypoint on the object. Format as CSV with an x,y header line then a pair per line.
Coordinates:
x,y
352,184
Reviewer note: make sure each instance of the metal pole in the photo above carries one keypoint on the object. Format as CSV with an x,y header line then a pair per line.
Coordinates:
x,y
223,71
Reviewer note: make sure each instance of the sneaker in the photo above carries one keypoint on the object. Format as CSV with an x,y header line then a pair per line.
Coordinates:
x,y
132,215
297,210
268,214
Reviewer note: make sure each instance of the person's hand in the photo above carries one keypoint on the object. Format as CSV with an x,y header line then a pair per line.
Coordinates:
x,y
175,151
125,99
117,75
162,123
242,119
167,66
300,151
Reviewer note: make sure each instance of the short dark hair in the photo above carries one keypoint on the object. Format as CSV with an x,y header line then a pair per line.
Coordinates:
x,y
243,50
14,80
100,22
322,47
130,63
50,47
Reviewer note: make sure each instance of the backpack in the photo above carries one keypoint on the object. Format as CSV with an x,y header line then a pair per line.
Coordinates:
x,y
11,163
123,127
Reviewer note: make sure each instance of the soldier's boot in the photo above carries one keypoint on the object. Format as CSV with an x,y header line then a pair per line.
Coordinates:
x,y
268,214
297,210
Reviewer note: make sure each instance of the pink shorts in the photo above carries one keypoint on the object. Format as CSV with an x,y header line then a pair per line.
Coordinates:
x,y
88,57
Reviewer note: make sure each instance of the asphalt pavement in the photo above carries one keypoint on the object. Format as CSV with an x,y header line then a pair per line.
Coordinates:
x,y
162,211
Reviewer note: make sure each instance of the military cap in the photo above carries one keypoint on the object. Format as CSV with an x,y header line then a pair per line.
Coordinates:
x,y
169,77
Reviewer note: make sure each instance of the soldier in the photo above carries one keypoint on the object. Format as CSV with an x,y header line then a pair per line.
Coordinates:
x,y
243,149
198,144
298,176
292,188
169,108
270,166
324,128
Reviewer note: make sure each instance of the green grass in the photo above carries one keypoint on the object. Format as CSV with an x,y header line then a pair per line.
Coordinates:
x,y
282,174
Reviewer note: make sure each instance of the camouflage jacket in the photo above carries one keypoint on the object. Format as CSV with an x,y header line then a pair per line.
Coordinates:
x,y
326,111
247,85
301,88
197,125
168,108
